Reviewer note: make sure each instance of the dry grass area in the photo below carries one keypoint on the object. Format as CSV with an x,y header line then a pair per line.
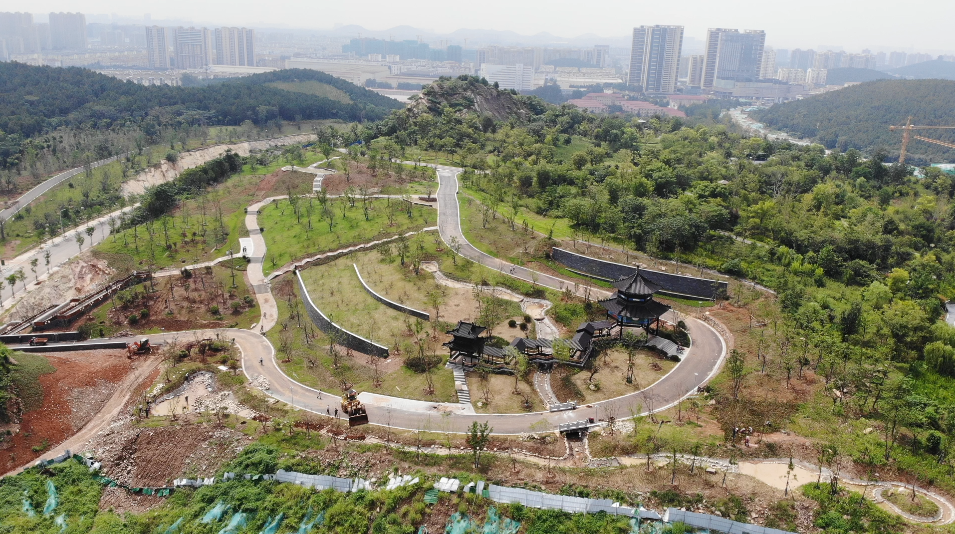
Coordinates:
x,y
410,179
494,393
610,379
400,284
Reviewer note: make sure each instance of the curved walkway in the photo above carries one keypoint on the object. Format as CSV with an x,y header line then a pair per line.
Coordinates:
x,y
701,362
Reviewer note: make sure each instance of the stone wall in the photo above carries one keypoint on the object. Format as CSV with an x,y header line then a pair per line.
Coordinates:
x,y
677,285
391,304
347,339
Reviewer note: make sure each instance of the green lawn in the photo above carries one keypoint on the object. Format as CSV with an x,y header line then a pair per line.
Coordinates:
x,y
312,363
288,236
26,378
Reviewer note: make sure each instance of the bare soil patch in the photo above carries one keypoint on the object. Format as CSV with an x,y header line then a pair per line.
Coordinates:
x,y
361,176
73,395
154,456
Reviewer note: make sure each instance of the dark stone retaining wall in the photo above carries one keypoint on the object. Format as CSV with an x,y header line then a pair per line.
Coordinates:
x,y
677,285
348,339
391,304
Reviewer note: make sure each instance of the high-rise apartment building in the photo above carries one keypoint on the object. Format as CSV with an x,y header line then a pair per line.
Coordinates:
x,y
68,31
897,59
768,69
18,33
193,48
731,55
157,49
235,46
694,75
802,59
517,77
655,58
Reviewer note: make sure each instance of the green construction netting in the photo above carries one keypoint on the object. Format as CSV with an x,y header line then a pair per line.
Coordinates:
x,y
648,527
28,506
431,496
173,528
216,513
236,524
306,526
494,524
272,525
60,521
423,530
458,523
52,501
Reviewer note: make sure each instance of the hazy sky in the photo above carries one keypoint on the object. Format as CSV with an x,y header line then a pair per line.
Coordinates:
x,y
914,25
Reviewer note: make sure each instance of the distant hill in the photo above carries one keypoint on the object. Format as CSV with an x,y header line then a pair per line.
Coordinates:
x,y
35,100
859,117
943,70
842,76
472,96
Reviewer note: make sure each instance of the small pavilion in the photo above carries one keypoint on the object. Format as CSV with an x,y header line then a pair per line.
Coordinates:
x,y
467,347
633,304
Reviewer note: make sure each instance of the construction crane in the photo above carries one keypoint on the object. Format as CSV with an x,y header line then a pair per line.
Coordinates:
x,y
907,135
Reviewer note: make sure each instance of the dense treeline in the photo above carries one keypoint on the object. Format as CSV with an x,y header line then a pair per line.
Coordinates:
x,y
859,117
160,199
37,100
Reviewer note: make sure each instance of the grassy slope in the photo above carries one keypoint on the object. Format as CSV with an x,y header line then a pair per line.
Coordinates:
x,y
289,238
312,87
26,378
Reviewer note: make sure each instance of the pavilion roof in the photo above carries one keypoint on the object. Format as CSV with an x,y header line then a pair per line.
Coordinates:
x,y
636,284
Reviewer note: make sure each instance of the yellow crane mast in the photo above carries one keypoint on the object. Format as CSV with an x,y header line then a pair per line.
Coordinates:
x,y
907,135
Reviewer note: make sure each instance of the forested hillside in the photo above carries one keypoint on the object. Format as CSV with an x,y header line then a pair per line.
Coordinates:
x,y
860,252
36,100
859,117
842,76
936,68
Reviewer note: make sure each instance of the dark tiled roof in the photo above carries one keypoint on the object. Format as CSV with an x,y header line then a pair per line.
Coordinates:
x,y
493,352
648,309
468,330
636,284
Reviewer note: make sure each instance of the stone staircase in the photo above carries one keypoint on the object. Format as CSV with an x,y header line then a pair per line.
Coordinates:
x,y
460,384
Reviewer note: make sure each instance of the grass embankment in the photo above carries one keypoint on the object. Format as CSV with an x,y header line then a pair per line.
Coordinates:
x,y
921,506
307,228
83,198
25,376
314,364
196,232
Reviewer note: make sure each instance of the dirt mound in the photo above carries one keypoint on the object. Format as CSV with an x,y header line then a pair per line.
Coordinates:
x,y
153,457
78,277
165,171
72,395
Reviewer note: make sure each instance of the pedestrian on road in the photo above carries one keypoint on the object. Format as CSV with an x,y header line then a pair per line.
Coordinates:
x,y
328,411
319,395
336,413
260,361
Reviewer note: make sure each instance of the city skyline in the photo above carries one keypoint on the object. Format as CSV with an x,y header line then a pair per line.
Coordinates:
x,y
847,25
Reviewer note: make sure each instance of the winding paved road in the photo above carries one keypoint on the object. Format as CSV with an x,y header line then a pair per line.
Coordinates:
x,y
701,361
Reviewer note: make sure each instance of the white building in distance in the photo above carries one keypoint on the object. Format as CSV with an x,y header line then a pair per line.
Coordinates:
x,y
517,77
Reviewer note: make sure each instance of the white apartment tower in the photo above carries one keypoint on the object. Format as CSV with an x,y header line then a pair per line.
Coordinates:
x,y
768,69
193,48
694,77
655,58
235,46
731,55
157,49
68,31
